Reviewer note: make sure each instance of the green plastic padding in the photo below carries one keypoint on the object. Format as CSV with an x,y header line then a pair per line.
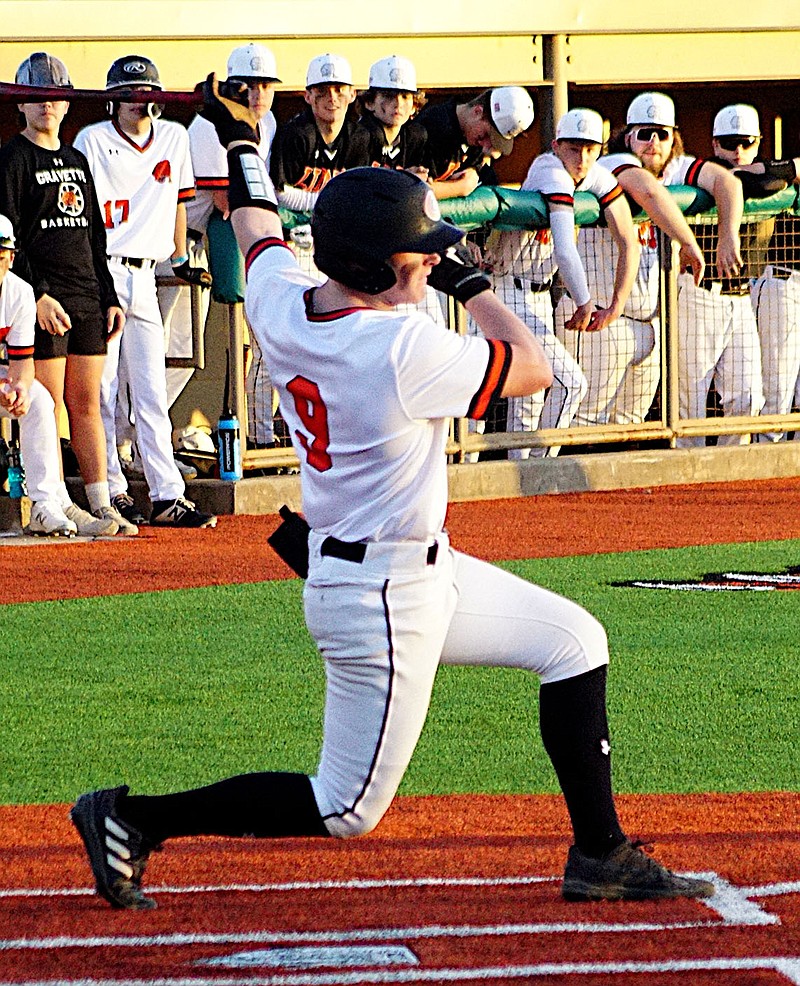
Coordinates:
x,y
225,260
504,208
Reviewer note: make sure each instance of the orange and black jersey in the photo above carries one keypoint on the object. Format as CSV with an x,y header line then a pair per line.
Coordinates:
x,y
408,150
301,158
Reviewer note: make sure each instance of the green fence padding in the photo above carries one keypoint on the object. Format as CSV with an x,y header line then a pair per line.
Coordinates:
x,y
504,208
225,260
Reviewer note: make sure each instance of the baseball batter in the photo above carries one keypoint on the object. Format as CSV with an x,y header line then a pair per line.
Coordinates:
x,y
525,263
776,286
718,338
387,599
143,174
47,192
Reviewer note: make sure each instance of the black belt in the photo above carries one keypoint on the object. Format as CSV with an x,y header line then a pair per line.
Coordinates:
x,y
734,289
136,262
537,288
356,551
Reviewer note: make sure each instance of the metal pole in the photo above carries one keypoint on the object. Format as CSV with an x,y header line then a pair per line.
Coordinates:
x,y
555,97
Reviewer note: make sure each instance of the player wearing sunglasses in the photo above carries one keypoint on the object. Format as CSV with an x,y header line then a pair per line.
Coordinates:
x,y
776,281
718,338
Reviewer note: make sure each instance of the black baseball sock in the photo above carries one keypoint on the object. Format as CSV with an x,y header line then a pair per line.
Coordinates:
x,y
574,726
267,805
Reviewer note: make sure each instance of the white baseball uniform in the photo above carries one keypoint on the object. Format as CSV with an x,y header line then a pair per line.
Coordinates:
x,y
717,336
623,362
524,264
375,491
139,188
38,435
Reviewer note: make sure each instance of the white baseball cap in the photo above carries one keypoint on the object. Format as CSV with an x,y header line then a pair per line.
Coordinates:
x,y
738,120
394,72
652,107
326,70
253,61
512,112
7,241
581,124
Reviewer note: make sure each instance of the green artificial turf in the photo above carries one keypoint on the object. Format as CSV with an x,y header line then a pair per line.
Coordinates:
x,y
172,689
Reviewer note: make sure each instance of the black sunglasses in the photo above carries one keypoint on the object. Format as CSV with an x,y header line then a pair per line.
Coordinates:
x,y
731,143
646,134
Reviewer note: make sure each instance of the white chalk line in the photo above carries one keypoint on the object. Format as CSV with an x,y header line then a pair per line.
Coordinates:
x,y
294,886
788,966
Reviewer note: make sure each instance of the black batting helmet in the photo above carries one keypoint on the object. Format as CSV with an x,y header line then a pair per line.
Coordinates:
x,y
133,70
365,215
41,69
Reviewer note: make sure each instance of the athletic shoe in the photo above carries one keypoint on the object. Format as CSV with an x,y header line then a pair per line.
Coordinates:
x,y
124,505
49,520
186,469
125,528
88,525
626,873
180,513
117,852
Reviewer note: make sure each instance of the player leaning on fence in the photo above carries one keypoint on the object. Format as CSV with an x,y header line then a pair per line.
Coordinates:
x,y
718,340
386,599
525,262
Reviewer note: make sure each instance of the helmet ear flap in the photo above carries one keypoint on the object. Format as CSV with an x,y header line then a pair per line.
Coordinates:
x,y
355,271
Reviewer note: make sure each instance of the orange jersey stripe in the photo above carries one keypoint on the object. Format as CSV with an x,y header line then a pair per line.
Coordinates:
x,y
186,195
210,184
494,378
610,197
20,352
561,198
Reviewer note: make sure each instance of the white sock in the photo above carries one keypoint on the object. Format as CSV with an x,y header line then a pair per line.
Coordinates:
x,y
62,496
98,496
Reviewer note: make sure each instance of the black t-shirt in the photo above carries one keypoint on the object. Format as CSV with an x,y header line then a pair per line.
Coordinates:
x,y
407,150
447,150
300,157
50,198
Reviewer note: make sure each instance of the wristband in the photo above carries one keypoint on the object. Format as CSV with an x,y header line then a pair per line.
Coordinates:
x,y
784,169
180,261
249,183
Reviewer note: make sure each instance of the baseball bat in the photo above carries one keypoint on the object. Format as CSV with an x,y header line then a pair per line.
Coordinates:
x,y
12,93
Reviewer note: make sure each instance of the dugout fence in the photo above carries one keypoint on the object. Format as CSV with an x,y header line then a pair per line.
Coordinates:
x,y
685,366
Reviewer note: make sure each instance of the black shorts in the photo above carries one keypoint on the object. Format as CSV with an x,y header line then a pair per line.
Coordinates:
x,y
87,337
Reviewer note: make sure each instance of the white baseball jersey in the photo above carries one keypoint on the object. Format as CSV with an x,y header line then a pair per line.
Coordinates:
x,y
139,188
17,317
210,165
529,253
599,254
373,463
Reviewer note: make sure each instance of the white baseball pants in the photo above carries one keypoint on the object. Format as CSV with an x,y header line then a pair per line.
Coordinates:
x,y
136,359
622,365
39,444
383,627
557,407
717,342
776,302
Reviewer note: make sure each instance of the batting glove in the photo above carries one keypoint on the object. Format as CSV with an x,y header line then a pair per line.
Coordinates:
x,y
457,275
225,105
192,275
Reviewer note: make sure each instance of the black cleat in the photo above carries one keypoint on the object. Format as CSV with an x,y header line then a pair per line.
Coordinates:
x,y
117,853
180,513
626,873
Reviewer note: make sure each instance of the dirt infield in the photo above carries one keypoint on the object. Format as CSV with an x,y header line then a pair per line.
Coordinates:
x,y
449,889
532,527
457,889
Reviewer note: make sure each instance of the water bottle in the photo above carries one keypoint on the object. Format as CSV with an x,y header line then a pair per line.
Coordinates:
x,y
16,473
230,452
